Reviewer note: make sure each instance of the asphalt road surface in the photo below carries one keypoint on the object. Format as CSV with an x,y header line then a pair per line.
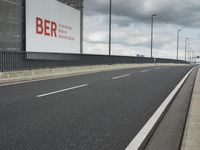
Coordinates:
x,y
99,111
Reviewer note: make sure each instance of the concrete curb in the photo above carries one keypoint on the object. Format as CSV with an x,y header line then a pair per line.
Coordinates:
x,y
28,75
191,139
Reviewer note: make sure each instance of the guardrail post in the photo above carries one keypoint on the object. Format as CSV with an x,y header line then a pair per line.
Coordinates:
x,y
154,60
1,61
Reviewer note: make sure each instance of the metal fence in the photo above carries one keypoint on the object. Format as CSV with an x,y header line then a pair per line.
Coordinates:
x,y
14,60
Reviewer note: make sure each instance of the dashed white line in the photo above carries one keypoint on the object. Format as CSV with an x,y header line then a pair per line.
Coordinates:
x,y
145,70
122,76
63,90
148,127
157,68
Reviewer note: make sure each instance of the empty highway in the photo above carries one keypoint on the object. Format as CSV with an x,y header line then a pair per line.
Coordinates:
x,y
98,111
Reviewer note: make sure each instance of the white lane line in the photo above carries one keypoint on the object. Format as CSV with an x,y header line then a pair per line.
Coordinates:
x,y
145,131
145,70
157,68
118,77
63,90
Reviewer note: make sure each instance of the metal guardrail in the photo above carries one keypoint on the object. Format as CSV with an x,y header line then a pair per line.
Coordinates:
x,y
14,60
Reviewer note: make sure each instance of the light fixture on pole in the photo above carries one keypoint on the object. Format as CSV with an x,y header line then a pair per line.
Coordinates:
x,y
152,33
178,32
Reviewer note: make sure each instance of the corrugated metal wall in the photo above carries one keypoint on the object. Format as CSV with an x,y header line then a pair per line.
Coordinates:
x,y
73,3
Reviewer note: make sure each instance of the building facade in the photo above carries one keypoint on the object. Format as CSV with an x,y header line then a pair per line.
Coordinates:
x,y
11,25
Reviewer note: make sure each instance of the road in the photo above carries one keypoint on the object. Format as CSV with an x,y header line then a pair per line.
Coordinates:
x,y
99,111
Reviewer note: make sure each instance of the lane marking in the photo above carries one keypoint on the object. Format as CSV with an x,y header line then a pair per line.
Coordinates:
x,y
145,70
122,76
157,68
138,140
63,90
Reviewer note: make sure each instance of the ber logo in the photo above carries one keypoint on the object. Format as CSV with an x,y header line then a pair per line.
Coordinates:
x,y
51,28
46,27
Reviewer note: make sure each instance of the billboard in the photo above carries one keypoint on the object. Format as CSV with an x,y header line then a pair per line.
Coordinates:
x,y
52,26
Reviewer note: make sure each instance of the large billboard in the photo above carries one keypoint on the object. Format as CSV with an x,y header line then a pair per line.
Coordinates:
x,y
52,26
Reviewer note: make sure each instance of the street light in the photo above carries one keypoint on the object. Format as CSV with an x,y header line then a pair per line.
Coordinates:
x,y
186,40
192,56
189,52
154,15
110,19
189,48
178,42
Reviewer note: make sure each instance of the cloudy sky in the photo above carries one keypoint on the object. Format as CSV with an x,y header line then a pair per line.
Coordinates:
x,y
131,27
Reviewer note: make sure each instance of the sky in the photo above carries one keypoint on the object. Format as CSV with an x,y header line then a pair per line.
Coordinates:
x,y
131,27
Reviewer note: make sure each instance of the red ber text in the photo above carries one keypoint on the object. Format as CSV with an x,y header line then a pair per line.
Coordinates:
x,y
46,27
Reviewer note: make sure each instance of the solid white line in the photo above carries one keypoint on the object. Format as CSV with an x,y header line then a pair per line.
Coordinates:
x,y
63,90
145,70
118,77
144,132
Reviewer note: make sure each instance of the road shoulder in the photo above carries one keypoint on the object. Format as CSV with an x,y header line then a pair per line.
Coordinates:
x,y
191,140
168,134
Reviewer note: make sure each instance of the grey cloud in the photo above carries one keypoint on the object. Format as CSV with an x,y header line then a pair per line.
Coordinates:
x,y
180,12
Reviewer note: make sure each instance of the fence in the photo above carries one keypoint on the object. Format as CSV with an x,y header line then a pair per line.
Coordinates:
x,y
13,60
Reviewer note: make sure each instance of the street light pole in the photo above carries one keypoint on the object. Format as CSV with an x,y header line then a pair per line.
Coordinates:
x,y
189,53
178,42
110,19
192,52
190,56
152,34
186,39
81,25
188,48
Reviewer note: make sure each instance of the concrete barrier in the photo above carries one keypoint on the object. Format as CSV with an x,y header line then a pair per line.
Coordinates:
x,y
29,75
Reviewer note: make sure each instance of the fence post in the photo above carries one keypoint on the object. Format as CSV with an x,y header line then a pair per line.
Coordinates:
x,y
154,60
1,61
